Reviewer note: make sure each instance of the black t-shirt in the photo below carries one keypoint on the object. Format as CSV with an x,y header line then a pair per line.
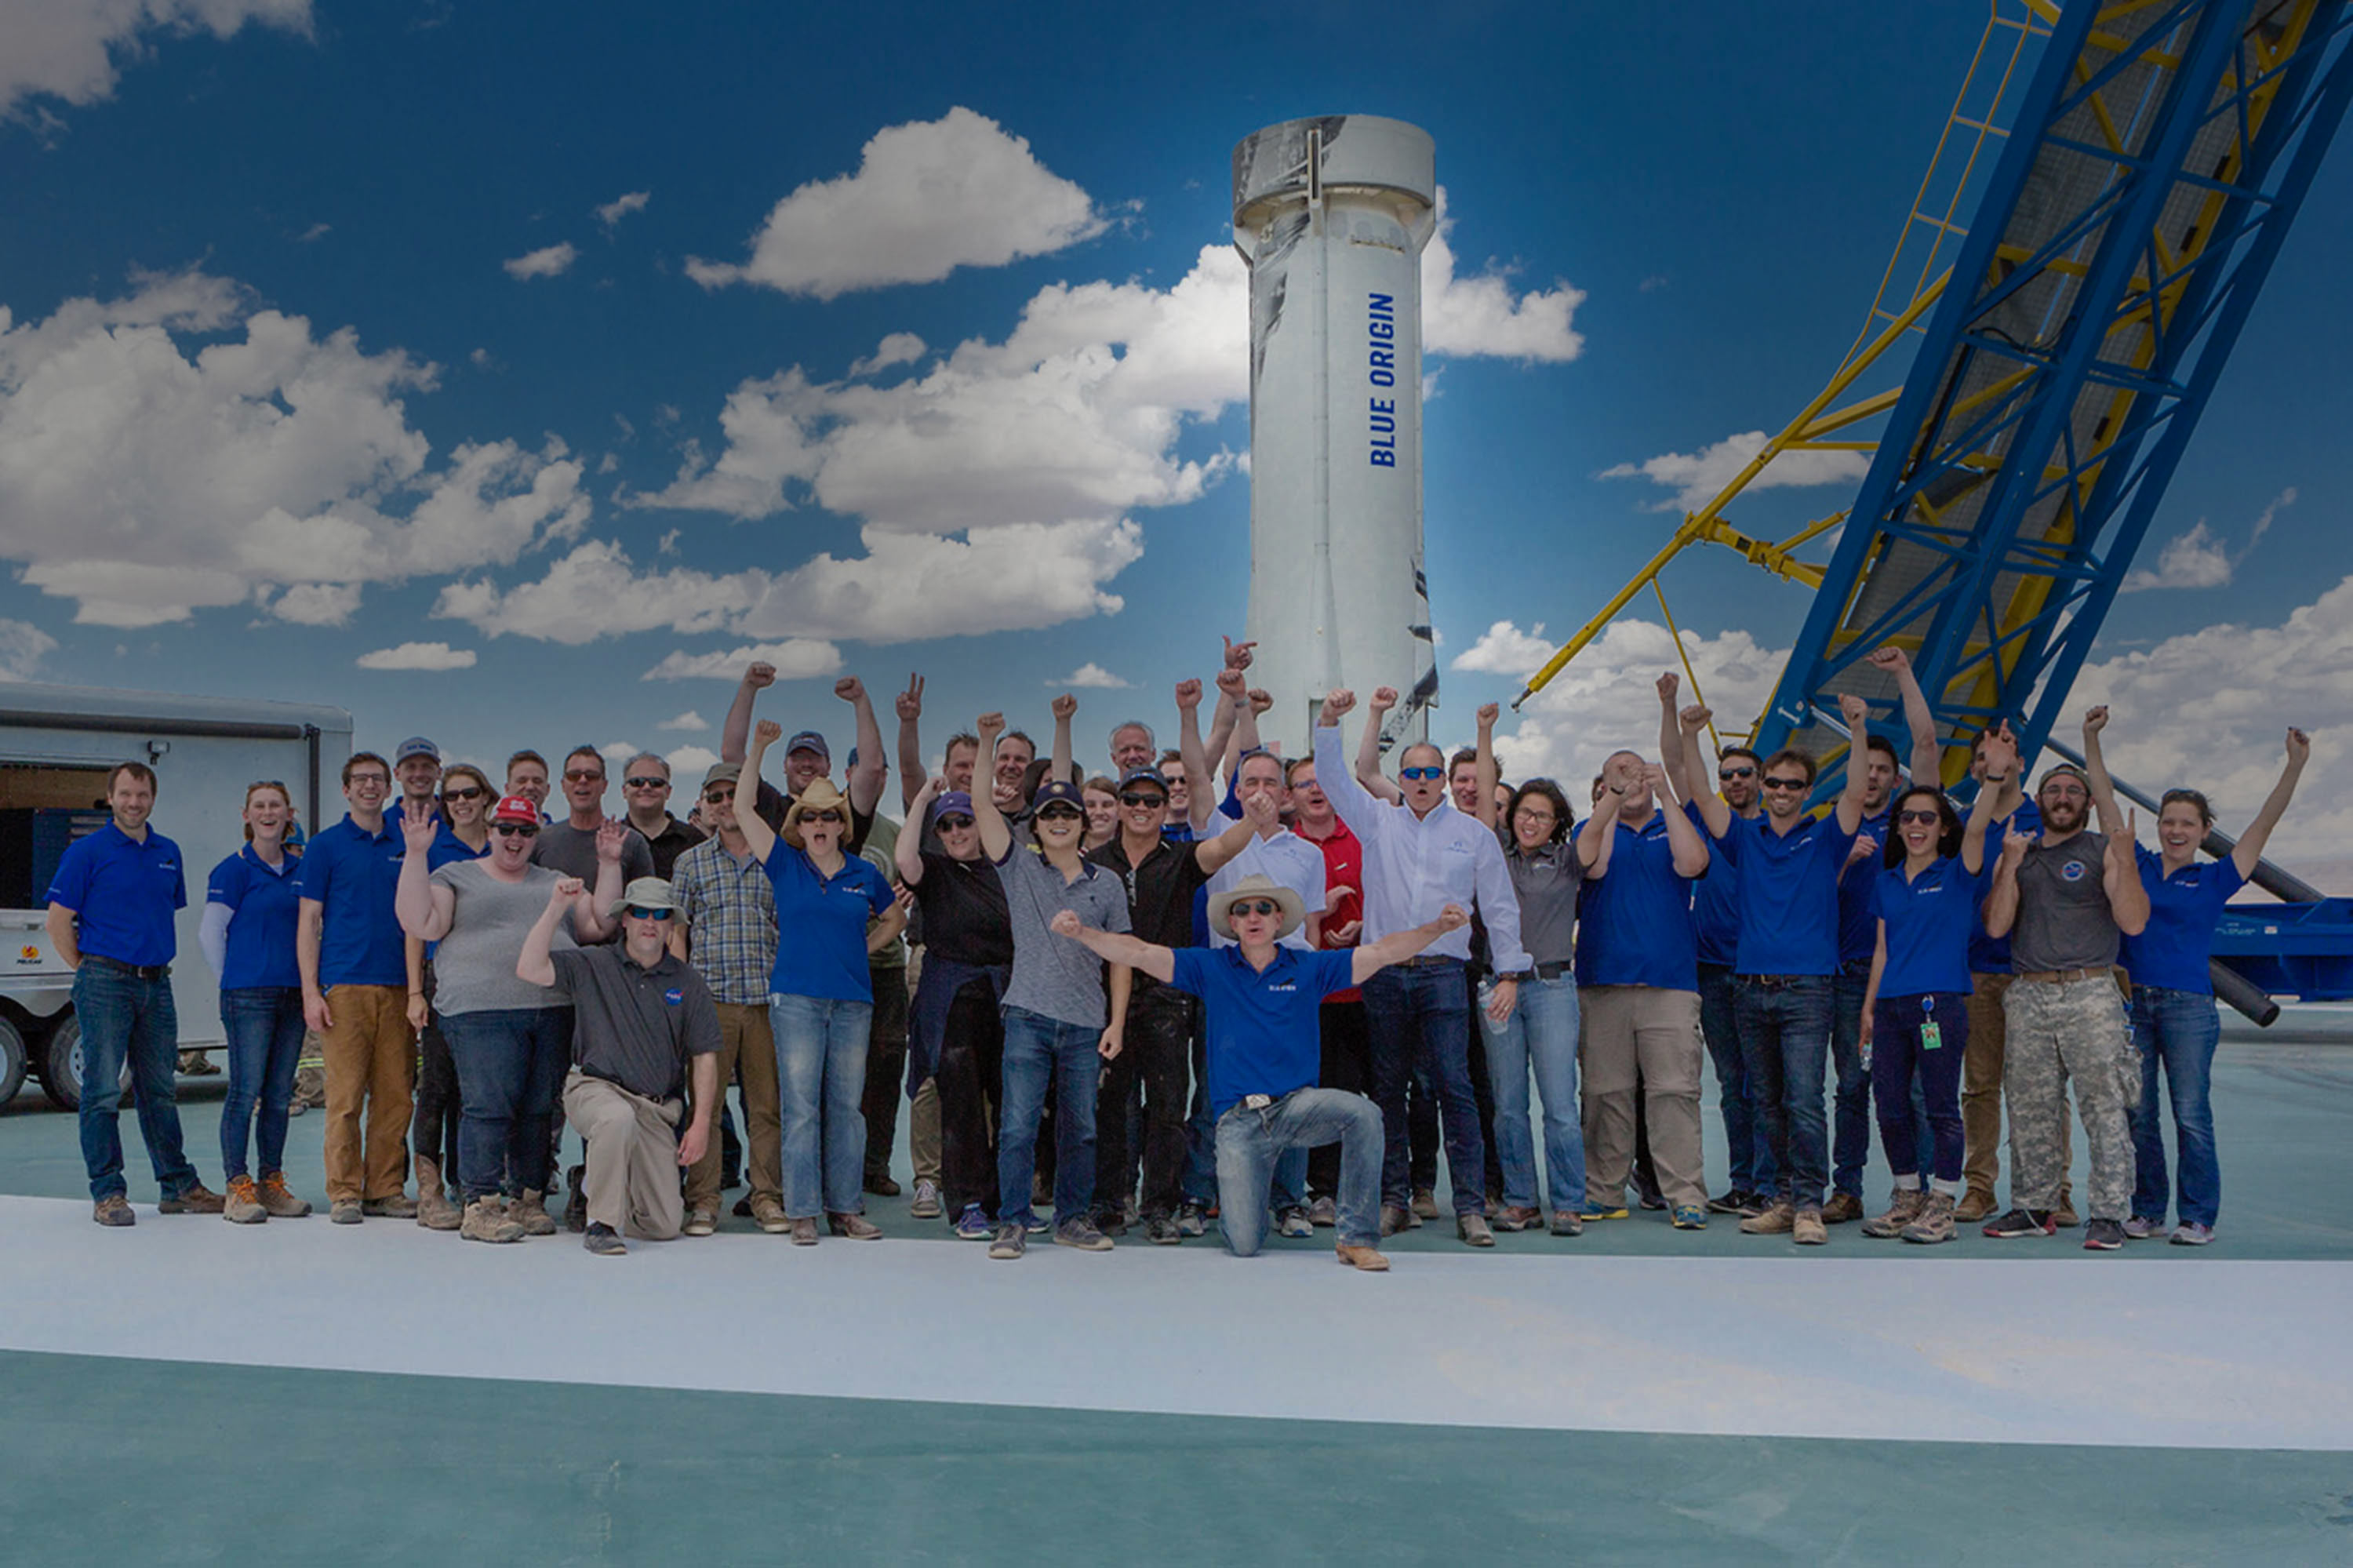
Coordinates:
x,y
964,916
772,804
1160,891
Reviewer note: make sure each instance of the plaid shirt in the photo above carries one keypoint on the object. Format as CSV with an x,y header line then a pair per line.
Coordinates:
x,y
730,913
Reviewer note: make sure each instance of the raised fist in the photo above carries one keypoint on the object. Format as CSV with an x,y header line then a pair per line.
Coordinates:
x,y
988,727
1337,704
1384,699
1890,658
1694,718
767,732
1260,699
2095,719
850,688
759,674
566,890
1487,716
1231,683
1188,695
1064,706
1668,685
2299,746
1855,710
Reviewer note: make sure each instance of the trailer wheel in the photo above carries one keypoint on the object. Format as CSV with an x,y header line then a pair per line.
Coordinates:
x,y
12,1060
62,1064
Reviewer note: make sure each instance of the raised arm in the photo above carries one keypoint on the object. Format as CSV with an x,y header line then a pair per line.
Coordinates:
x,y
1357,808
996,832
866,778
1927,756
2120,875
1064,708
1116,947
1365,961
590,924
907,853
2000,766
537,965
1200,776
2001,899
1688,850
758,837
911,771
2259,832
1857,714
738,727
1485,765
1246,737
1598,833
1713,812
1368,773
1670,739
420,915
2096,774
1259,816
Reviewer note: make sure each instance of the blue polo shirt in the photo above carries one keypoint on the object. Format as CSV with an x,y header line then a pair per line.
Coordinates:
x,y
266,904
353,875
826,917
1634,921
125,891
448,847
1264,1025
1990,955
1789,893
1858,886
2172,950
1929,918
1716,902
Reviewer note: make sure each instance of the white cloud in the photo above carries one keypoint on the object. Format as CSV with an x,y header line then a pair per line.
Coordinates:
x,y
896,348
688,763
2199,560
23,646
1480,315
912,586
74,49
145,477
418,656
928,197
796,660
1505,650
1697,477
690,720
594,593
548,261
317,604
620,206
1091,675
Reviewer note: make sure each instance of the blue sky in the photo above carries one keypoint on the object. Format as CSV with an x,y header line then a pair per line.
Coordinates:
x,y
319,345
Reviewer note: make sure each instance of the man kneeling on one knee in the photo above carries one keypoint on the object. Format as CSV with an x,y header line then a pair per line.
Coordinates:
x,y
1263,1005
640,1013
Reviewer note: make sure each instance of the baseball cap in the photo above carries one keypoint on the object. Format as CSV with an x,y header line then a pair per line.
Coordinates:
x,y
722,773
1151,775
809,740
416,745
955,800
515,809
1064,790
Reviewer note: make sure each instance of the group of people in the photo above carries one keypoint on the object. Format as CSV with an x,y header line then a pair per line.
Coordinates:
x,y
1207,982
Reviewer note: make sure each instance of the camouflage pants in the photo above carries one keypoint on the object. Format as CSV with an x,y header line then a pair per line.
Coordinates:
x,y
2063,1029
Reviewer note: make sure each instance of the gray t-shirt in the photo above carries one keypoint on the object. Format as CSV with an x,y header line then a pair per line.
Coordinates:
x,y
2063,918
474,967
635,1027
1547,882
572,851
1053,975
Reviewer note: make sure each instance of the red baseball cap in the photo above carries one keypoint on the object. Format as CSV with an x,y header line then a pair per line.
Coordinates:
x,y
515,809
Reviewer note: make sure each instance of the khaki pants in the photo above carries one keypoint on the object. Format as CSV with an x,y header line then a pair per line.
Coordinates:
x,y
632,1179
744,1043
924,1132
1981,1077
1635,1032
370,1058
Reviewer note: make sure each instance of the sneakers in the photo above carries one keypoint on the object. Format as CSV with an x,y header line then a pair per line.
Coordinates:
x,y
197,1199
855,1227
2103,1235
2189,1232
1902,1211
1161,1231
1472,1229
1603,1209
1191,1219
2023,1223
2140,1229
926,1205
1083,1235
1934,1223
1323,1214
742,1211
1035,1225
699,1223
530,1210
1293,1223
1975,1205
1806,1228
1842,1208
1425,1202
1776,1220
882,1186
1648,1197
114,1209
1730,1203
399,1206
486,1220
343,1212
1689,1217
603,1240
973,1224
283,1205
770,1216
1368,1259
804,1231
1568,1223
1011,1240
1112,1222
243,1206
1511,1218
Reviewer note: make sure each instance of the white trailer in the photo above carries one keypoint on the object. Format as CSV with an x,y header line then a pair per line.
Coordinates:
x,y
57,746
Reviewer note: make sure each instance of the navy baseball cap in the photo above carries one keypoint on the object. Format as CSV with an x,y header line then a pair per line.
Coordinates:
x,y
1062,791
416,745
955,802
809,740
1136,776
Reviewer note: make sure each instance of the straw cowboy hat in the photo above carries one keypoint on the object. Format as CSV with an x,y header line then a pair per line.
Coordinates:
x,y
1258,886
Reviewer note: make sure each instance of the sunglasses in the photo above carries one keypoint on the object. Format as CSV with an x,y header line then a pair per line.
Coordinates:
x,y
1731,773
1422,772
1059,812
717,797
640,912
583,775
468,792
515,829
809,819
1785,784
1142,797
1918,817
950,824
646,783
1253,906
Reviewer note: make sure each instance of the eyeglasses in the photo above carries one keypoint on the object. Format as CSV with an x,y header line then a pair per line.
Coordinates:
x,y
1728,774
466,792
646,783
1253,906
515,829
583,775
1142,797
370,780
1422,772
1536,813
950,824
809,819
1918,817
640,912
1785,784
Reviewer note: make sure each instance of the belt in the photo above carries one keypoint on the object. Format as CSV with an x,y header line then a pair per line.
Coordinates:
x,y
1780,983
1428,961
137,971
1554,971
2064,977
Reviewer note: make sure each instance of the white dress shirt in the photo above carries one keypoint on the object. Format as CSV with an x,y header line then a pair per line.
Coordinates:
x,y
1286,860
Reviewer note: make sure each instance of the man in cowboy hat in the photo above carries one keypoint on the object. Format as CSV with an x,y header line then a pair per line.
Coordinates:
x,y
1266,1047
641,1016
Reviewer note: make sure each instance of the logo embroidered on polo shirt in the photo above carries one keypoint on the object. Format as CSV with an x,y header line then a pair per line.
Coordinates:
x,y
673,996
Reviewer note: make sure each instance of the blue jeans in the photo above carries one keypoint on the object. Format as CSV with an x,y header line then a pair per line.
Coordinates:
x,y
821,1087
126,1018
1785,1032
1251,1142
1851,1131
1420,1018
510,1063
265,1043
1040,1050
1745,1150
2176,1030
1541,1034
1905,1075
